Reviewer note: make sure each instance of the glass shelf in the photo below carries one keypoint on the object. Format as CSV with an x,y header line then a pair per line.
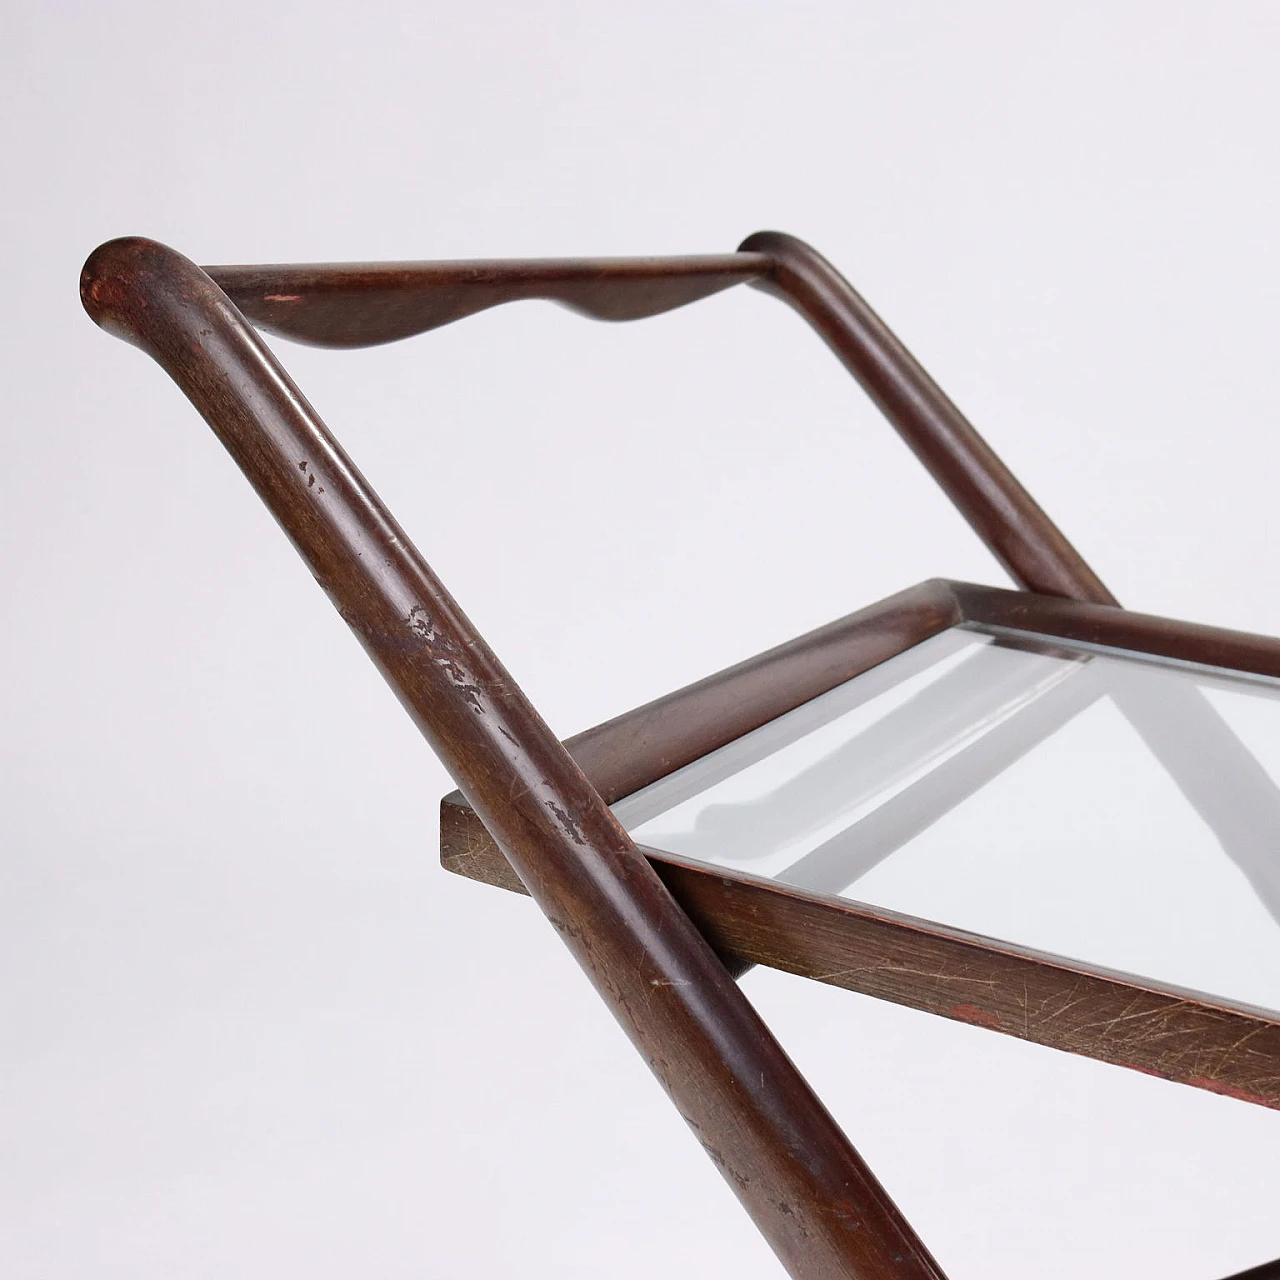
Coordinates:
x,y
1112,808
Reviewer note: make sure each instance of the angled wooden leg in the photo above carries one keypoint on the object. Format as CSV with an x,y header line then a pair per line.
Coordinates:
x,y
810,1193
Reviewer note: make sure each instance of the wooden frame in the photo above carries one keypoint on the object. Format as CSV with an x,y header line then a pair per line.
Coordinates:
x,y
529,815
1180,1035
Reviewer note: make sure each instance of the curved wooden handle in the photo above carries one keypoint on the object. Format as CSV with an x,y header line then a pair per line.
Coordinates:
x,y
366,304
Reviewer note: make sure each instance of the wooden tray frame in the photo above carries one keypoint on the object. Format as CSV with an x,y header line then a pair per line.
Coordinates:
x,y
805,1186
1177,1034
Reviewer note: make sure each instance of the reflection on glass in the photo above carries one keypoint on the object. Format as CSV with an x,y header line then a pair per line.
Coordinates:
x,y
1105,806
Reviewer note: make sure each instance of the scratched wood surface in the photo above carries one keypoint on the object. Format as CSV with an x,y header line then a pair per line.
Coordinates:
x,y
809,1192
1179,1035
532,818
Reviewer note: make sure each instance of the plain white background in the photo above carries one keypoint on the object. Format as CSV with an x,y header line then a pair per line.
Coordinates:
x,y
249,1028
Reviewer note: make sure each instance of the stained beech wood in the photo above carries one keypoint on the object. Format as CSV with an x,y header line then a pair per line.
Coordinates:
x,y
808,1190
1180,1035
532,815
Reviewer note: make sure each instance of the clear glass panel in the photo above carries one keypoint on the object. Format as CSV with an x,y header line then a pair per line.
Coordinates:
x,y
1110,807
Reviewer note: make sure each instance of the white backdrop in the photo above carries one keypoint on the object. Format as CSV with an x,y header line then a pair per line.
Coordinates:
x,y
249,1028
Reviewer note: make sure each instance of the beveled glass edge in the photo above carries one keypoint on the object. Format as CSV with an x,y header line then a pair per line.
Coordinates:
x,y
673,788
1216,674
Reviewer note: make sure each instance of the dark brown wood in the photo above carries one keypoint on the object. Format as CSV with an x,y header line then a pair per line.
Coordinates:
x,y
633,750
812,1196
1000,510
1088,623
363,304
627,753
528,818
1179,1035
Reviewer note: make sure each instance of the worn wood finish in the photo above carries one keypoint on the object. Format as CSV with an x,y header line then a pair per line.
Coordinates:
x,y
1177,1035
627,753
809,1192
364,304
528,818
1182,1036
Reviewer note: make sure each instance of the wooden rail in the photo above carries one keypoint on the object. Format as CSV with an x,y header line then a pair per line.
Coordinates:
x,y
803,1183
